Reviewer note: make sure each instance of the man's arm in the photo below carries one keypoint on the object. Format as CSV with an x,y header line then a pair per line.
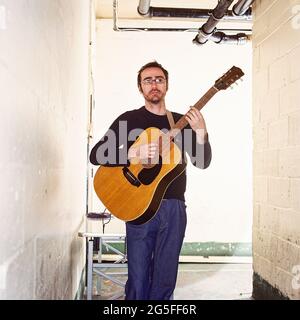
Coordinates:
x,y
112,148
198,146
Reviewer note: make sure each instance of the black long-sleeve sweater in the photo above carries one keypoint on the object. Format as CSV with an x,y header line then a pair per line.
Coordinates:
x,y
112,149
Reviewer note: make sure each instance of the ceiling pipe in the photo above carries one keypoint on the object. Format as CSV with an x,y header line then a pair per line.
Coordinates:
x,y
221,37
160,29
144,7
208,28
146,10
240,11
241,7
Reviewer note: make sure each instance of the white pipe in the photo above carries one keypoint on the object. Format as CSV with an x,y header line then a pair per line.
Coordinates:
x,y
241,7
144,7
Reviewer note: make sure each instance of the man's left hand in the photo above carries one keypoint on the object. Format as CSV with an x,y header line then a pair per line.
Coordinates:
x,y
197,123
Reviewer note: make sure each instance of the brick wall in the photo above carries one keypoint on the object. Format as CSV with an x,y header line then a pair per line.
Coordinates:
x,y
276,154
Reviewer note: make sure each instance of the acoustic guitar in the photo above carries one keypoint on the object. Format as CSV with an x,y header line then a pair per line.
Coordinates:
x,y
134,193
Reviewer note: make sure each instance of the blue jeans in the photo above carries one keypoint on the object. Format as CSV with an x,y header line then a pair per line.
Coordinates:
x,y
153,252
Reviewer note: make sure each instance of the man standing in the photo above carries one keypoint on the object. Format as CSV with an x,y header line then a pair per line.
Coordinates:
x,y
153,248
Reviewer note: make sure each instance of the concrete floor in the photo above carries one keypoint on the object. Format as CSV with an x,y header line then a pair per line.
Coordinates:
x,y
195,281
214,281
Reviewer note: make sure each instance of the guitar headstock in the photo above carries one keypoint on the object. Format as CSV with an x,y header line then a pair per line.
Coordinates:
x,y
229,78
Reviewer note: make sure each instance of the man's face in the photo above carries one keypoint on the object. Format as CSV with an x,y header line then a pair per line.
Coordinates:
x,y
153,85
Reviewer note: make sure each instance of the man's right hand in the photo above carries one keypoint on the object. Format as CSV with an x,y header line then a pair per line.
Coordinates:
x,y
144,151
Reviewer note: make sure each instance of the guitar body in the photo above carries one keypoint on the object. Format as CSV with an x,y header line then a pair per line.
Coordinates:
x,y
134,193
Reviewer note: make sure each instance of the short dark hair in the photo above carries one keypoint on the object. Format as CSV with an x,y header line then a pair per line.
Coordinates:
x,y
153,64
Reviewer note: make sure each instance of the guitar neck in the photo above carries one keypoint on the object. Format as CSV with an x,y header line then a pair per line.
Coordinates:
x,y
222,83
182,122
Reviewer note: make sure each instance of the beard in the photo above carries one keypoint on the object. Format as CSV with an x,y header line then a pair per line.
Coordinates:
x,y
154,96
154,100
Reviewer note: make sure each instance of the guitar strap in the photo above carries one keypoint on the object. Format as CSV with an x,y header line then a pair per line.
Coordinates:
x,y
170,119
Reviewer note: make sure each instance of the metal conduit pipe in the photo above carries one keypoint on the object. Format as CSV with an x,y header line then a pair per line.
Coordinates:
x,y
144,7
206,32
145,10
190,13
128,28
241,7
221,37
209,27
240,11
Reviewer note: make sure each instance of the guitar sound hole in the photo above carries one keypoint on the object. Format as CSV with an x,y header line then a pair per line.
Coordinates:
x,y
147,176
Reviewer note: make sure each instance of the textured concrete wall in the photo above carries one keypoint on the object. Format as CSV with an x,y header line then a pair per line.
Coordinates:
x,y
43,129
276,123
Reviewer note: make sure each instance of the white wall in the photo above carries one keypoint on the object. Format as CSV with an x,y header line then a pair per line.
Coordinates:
x,y
44,100
219,199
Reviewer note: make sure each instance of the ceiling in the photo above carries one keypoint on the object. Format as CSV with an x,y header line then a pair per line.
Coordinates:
x,y
128,16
